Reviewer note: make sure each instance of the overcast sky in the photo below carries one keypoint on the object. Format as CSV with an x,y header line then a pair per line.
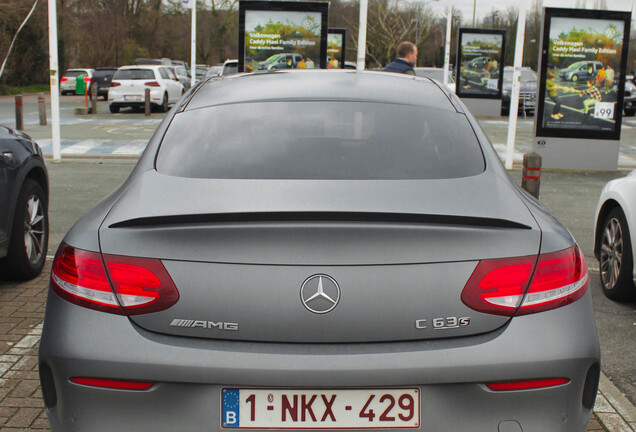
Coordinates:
x,y
484,7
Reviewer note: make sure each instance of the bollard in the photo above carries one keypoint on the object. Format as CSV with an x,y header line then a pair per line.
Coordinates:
x,y
147,101
531,175
94,99
86,91
42,109
19,113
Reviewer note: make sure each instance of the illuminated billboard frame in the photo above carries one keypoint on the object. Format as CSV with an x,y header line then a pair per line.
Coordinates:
x,y
294,31
480,70
337,36
580,49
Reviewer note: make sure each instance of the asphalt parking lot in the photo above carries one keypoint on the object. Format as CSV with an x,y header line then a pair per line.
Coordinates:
x,y
100,152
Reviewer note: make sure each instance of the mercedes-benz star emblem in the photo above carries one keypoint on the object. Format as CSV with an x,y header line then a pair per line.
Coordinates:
x,y
320,293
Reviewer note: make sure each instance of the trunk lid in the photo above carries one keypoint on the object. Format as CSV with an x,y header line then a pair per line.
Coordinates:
x,y
248,256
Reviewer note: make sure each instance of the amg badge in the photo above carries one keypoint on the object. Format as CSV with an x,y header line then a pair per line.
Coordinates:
x,y
204,324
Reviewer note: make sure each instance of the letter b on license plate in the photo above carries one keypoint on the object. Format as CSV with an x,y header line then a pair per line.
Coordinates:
x,y
395,408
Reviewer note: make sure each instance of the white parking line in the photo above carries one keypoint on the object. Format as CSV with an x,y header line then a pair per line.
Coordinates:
x,y
81,147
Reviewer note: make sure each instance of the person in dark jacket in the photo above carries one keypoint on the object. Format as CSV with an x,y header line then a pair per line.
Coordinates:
x,y
407,57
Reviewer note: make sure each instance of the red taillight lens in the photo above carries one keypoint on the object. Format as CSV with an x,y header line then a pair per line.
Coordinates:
x,y
112,384
527,385
87,79
142,284
151,84
136,285
500,286
115,84
560,279
63,79
79,277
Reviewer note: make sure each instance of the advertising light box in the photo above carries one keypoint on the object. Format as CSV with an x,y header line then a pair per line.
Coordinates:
x,y
583,63
336,48
282,35
480,59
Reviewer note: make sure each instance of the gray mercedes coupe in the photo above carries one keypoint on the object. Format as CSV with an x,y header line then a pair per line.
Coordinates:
x,y
333,250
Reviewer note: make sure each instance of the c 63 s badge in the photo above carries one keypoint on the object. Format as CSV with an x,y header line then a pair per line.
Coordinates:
x,y
443,323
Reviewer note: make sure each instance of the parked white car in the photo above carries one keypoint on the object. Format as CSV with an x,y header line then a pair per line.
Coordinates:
x,y
128,87
69,79
613,246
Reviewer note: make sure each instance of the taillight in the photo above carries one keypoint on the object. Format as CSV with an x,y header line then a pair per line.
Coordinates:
x,y
151,84
115,84
500,286
63,79
112,283
87,79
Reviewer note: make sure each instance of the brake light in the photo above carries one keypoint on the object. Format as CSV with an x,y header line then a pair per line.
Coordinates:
x,y
63,79
87,79
151,84
115,84
525,285
112,283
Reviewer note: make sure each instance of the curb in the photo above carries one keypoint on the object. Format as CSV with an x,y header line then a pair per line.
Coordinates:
x,y
612,409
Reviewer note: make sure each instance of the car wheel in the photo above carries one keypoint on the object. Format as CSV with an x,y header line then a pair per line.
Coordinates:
x,y
615,259
29,234
113,108
575,78
164,104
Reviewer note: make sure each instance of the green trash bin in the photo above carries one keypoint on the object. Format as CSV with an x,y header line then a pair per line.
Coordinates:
x,y
79,85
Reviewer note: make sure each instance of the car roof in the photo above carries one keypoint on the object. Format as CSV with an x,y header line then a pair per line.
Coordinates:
x,y
321,85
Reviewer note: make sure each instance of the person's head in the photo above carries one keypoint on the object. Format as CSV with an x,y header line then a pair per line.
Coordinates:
x,y
408,51
551,74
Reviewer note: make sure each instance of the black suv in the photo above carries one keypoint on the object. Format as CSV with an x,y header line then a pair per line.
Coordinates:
x,y
24,194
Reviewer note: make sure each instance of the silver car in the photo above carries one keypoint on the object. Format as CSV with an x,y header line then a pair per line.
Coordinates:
x,y
319,250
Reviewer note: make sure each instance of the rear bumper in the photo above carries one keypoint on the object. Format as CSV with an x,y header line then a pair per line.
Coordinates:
x,y
189,372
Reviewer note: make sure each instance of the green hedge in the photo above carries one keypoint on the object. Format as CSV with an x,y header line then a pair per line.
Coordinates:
x,y
11,90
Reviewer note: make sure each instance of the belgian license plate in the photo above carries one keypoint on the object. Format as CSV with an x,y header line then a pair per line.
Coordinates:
x,y
394,408
132,98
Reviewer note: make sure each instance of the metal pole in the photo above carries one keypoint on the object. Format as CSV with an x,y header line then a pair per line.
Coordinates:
x,y
19,113
362,36
94,99
516,84
117,33
55,91
147,102
474,8
449,20
193,49
42,109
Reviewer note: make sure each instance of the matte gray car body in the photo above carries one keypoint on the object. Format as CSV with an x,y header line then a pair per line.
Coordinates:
x,y
239,250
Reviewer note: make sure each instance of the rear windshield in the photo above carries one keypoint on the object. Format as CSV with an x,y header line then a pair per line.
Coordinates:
x,y
103,73
320,140
134,74
74,73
